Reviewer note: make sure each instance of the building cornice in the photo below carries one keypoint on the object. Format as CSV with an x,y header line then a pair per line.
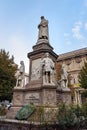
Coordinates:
x,y
72,54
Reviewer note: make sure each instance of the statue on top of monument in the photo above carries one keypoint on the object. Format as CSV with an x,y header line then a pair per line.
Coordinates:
x,y
43,29
48,67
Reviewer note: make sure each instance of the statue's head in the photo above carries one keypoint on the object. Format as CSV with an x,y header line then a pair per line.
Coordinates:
x,y
42,17
22,62
47,54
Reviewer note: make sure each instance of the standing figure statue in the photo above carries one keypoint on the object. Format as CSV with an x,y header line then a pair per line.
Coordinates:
x,y
64,77
43,29
22,67
48,67
20,76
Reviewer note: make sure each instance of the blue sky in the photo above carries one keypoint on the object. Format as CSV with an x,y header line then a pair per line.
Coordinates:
x,y
19,20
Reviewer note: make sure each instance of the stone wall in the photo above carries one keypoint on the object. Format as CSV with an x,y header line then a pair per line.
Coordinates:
x,y
24,125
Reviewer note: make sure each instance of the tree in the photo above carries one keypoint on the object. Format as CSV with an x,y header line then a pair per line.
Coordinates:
x,y
83,79
7,75
83,76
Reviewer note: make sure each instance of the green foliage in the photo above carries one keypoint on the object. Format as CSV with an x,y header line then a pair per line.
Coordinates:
x,y
44,115
68,116
77,110
38,115
7,78
84,94
84,110
41,113
83,76
2,110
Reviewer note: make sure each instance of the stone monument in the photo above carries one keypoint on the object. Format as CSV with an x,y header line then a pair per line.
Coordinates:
x,y
41,88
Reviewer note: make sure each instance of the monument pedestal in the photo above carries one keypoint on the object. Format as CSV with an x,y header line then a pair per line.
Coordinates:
x,y
49,95
41,94
64,96
17,102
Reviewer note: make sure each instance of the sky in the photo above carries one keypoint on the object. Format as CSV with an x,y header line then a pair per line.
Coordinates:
x,y
19,21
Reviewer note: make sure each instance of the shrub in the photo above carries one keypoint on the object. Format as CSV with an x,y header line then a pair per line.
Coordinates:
x,y
2,111
84,110
68,116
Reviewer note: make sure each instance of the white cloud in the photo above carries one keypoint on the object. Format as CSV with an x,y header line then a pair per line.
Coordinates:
x,y
85,26
76,30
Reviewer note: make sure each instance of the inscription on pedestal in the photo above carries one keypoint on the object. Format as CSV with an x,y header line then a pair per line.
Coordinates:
x,y
32,97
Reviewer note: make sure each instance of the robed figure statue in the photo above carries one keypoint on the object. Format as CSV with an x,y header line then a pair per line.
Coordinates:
x,y
43,29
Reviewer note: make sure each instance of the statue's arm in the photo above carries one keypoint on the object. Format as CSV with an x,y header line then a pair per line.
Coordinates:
x,y
42,63
52,64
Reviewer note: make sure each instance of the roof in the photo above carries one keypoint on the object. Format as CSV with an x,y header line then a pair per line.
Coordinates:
x,y
72,54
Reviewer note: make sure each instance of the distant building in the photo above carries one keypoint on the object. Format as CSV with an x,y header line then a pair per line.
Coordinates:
x,y
73,62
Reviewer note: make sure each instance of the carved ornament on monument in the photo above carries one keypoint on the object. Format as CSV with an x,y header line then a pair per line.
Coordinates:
x,y
68,62
36,69
33,97
78,60
49,97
